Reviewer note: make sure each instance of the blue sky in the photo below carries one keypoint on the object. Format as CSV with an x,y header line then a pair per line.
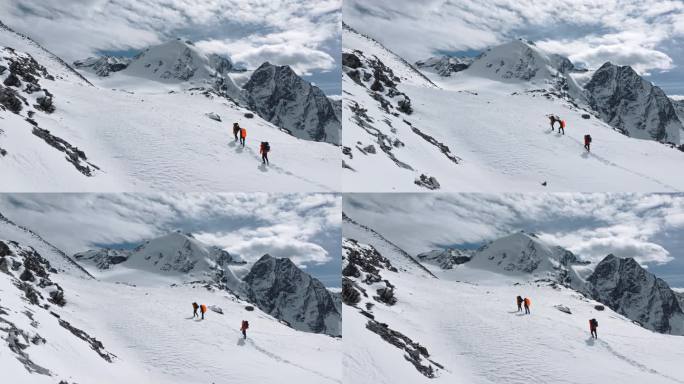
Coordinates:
x,y
303,34
303,227
646,35
647,227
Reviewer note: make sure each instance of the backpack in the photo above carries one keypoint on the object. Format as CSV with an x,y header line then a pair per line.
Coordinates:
x,y
594,323
266,146
245,324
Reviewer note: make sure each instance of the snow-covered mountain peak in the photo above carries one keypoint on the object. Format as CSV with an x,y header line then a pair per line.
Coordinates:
x,y
177,60
519,60
444,65
525,253
175,254
103,65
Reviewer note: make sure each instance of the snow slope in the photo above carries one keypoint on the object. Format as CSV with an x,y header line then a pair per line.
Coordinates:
x,y
482,130
145,134
466,320
145,332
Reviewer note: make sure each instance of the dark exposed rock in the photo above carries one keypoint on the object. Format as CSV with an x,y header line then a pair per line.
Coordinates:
x,y
350,295
249,115
627,288
350,60
280,96
279,288
633,105
12,81
10,99
73,155
429,182
416,354
599,307
95,344
45,104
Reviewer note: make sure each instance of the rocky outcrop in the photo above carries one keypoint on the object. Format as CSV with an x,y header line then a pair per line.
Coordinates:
x,y
446,258
629,289
280,96
104,65
633,105
278,287
444,65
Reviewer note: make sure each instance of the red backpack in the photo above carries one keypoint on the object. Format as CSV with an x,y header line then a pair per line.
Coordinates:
x,y
245,324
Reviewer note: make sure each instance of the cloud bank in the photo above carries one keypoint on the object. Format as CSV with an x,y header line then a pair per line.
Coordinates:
x,y
284,225
293,32
625,32
645,227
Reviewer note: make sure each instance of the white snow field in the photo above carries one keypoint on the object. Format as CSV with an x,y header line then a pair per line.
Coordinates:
x,y
479,130
146,133
146,329
467,320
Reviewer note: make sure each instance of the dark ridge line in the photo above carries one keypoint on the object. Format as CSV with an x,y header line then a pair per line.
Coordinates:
x,y
401,251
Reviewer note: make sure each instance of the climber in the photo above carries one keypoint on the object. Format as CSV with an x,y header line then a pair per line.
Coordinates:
x,y
194,310
243,136
236,130
593,324
243,328
587,142
562,127
264,149
203,309
527,303
553,119
519,301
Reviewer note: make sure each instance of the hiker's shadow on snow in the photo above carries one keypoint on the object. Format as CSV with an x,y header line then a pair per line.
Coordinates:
x,y
262,168
239,149
590,341
232,144
241,341
513,311
585,154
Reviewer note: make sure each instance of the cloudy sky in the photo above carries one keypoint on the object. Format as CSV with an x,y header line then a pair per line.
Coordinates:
x,y
303,227
649,228
644,34
302,34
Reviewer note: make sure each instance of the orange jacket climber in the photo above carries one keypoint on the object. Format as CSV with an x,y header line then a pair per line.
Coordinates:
x,y
527,302
203,309
243,132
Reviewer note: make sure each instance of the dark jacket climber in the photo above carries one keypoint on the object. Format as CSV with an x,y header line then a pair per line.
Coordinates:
x,y
236,131
243,328
587,142
553,119
593,324
519,301
194,309
264,149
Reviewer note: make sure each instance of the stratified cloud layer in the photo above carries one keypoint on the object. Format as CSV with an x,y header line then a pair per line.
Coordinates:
x,y
625,32
284,225
286,32
645,227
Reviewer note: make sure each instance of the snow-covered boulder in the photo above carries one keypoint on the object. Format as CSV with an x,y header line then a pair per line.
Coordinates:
x,y
279,95
633,105
278,287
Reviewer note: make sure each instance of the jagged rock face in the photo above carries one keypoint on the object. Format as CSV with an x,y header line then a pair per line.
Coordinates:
x,y
103,258
445,65
30,273
446,258
627,288
279,288
280,96
633,105
103,65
